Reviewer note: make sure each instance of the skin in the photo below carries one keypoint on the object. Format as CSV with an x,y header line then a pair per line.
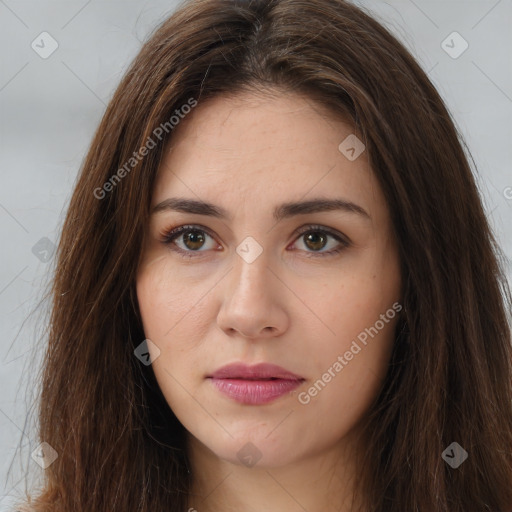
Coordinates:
x,y
247,154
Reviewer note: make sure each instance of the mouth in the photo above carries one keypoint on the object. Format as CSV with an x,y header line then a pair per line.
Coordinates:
x,y
254,385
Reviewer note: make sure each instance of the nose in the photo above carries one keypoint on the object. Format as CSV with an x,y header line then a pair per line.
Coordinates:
x,y
252,302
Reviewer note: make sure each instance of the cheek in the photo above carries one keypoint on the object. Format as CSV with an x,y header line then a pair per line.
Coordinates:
x,y
348,377
348,364
342,308
165,302
168,313
352,295
177,318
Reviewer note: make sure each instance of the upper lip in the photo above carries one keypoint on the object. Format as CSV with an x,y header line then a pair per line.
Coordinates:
x,y
257,371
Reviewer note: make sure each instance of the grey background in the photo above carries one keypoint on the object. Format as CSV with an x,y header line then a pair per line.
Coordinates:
x,y
49,109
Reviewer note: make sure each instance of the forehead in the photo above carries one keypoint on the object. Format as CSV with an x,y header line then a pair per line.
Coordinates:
x,y
280,126
255,151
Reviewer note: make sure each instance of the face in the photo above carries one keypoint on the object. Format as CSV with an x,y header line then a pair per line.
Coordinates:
x,y
268,275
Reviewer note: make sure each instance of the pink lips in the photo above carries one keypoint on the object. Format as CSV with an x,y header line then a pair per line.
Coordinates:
x,y
258,384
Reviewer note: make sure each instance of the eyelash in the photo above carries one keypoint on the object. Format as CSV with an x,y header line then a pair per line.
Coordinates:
x,y
168,238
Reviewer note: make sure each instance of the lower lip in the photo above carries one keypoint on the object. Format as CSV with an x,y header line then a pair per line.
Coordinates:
x,y
255,392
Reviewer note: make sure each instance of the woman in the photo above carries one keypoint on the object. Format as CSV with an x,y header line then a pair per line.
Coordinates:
x,y
276,286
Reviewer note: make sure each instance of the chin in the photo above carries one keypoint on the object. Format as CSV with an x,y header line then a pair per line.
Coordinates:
x,y
255,449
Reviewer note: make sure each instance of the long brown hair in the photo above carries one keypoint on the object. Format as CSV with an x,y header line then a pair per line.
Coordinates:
x,y
120,447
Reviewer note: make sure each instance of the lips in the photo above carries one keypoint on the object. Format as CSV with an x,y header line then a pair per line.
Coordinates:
x,y
260,371
255,385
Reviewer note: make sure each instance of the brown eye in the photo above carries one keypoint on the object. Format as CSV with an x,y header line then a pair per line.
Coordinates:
x,y
315,240
193,239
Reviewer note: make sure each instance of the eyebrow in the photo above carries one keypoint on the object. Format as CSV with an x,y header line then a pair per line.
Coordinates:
x,y
283,211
